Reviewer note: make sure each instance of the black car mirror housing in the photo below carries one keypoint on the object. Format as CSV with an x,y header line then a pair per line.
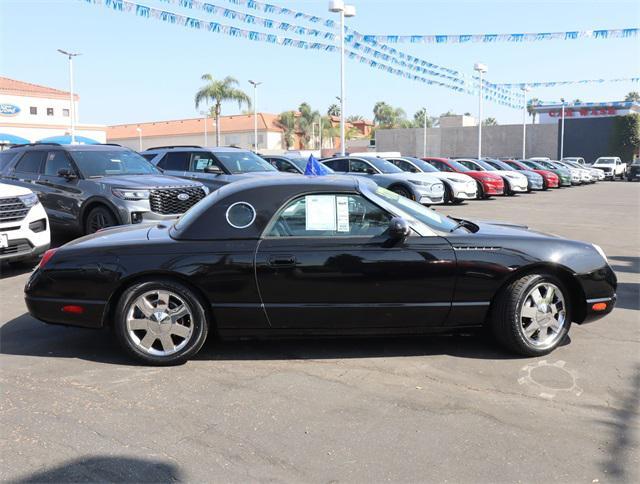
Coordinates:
x,y
213,169
66,173
399,229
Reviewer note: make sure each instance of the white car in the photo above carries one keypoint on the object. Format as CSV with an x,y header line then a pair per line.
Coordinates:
x,y
514,182
458,186
24,226
584,174
596,175
612,167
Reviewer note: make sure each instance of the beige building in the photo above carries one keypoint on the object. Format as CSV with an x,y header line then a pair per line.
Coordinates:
x,y
34,112
236,130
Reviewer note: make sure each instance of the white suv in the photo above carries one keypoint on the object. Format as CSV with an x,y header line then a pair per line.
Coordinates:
x,y
24,226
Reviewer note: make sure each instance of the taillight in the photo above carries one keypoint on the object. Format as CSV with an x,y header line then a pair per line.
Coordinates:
x,y
45,258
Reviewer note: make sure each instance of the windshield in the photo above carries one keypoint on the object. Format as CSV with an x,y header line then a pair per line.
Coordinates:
x,y
500,165
416,211
548,165
383,165
94,164
486,165
605,161
423,165
458,166
242,161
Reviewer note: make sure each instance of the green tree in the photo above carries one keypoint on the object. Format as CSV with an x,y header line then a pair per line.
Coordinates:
x,y
308,118
530,108
633,96
355,117
625,136
490,122
218,92
334,110
386,116
418,119
287,121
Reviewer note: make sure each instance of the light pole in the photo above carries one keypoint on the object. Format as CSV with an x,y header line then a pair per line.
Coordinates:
x,y
562,131
255,85
525,89
320,134
424,137
139,130
481,69
72,112
206,118
338,6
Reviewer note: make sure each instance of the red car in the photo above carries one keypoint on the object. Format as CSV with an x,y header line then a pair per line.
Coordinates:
x,y
488,183
549,178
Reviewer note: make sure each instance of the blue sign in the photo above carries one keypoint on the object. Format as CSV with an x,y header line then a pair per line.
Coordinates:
x,y
9,109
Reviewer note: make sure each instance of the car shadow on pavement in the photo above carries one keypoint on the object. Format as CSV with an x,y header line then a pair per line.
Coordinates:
x,y
25,336
629,264
107,469
628,295
622,441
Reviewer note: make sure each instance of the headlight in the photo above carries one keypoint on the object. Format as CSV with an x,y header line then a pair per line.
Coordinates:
x,y
130,194
29,200
419,182
601,252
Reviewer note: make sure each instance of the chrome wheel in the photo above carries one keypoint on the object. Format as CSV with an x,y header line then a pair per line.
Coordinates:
x,y
543,315
160,323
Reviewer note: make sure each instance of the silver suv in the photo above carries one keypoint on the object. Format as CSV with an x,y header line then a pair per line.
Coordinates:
x,y
89,187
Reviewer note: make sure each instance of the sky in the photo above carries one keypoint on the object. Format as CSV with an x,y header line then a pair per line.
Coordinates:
x,y
137,70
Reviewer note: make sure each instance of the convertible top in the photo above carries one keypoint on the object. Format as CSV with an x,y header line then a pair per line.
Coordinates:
x,y
207,219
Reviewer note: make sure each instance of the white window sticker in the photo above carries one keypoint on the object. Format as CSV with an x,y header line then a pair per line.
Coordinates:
x,y
342,211
320,212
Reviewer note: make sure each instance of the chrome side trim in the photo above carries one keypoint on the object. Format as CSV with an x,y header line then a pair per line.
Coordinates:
x,y
600,299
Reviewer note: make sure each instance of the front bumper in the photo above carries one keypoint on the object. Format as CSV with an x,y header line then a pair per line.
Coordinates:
x,y
464,191
23,242
431,200
492,188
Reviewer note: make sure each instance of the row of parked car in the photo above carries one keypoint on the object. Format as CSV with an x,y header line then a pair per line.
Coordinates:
x,y
86,188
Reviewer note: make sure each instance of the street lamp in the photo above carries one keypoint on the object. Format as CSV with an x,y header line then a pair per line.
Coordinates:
x,y
206,118
525,90
424,139
139,130
70,56
562,131
338,6
481,69
255,85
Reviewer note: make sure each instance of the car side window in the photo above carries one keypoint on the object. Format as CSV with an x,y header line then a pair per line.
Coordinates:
x,y
175,161
440,166
359,166
56,160
31,162
405,165
468,164
339,165
5,158
283,165
149,156
199,161
330,215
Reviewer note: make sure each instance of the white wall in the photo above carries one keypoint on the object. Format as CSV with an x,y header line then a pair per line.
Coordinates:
x,y
41,103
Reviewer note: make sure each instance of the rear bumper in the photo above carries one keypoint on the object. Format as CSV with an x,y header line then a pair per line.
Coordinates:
x,y
592,314
50,310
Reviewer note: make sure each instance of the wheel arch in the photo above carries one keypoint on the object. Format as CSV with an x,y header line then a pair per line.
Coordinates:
x,y
404,186
94,202
112,303
563,273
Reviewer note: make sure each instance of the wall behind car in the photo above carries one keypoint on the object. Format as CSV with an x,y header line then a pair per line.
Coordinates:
x,y
462,141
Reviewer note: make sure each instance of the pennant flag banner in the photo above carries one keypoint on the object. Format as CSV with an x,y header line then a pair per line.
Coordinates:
x,y
521,85
581,105
513,38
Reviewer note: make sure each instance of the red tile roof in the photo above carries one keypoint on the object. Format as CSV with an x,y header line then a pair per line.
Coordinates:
x,y
228,124
21,88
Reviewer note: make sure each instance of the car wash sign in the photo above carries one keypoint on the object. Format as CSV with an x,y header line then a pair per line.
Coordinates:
x,y
8,109
551,113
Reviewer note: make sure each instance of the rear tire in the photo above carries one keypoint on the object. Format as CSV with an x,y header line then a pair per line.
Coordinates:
x,y
527,327
400,190
99,218
160,322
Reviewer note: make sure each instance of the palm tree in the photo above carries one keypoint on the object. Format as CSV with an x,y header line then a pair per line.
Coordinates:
x,y
354,118
334,110
387,116
218,92
287,122
632,96
308,118
418,119
490,122
530,108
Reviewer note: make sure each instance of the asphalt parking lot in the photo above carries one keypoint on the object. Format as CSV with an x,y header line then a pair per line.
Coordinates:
x,y
437,409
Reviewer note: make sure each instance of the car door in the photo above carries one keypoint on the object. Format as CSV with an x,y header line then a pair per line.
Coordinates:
x,y
199,161
62,196
325,263
175,163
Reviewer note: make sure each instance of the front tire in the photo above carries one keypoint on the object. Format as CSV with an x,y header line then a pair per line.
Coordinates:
x,y
160,322
402,191
532,315
99,218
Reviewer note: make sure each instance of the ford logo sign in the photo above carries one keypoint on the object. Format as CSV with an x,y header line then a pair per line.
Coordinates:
x,y
9,109
183,197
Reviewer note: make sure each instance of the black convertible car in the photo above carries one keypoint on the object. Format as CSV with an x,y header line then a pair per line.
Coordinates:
x,y
312,256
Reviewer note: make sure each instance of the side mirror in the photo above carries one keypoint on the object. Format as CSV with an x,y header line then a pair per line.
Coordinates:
x,y
214,169
399,229
66,173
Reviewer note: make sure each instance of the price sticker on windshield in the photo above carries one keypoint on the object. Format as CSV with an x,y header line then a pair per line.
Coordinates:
x,y
342,212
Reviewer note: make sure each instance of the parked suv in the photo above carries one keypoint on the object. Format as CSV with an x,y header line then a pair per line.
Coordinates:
x,y
89,187
24,228
213,167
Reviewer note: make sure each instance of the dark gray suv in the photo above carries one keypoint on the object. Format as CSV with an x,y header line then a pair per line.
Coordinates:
x,y
214,167
89,187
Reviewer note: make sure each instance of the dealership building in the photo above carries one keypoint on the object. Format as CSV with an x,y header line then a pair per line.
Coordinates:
x,y
34,112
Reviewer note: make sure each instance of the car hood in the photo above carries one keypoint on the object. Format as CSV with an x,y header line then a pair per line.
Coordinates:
x,y
489,174
507,229
7,190
145,181
262,173
514,174
454,177
405,176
